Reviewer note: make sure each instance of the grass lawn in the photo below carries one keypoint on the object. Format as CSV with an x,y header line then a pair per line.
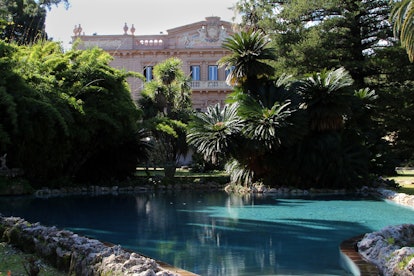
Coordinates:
x,y
13,261
179,173
406,182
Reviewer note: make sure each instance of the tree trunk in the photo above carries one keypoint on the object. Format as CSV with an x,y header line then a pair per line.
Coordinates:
x,y
169,170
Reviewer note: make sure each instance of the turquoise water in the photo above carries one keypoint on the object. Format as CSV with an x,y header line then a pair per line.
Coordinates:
x,y
217,234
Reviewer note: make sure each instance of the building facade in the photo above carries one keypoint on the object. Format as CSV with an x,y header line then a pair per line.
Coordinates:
x,y
198,45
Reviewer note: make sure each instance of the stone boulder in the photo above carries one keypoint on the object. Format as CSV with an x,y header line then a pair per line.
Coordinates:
x,y
75,254
390,249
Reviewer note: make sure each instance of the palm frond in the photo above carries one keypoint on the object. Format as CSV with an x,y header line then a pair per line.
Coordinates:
x,y
239,174
326,96
402,15
249,55
264,124
211,133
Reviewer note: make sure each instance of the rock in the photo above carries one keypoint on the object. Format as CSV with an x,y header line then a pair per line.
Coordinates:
x,y
71,252
164,273
390,249
148,272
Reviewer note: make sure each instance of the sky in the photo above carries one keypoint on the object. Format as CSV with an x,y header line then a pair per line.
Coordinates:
x,y
106,17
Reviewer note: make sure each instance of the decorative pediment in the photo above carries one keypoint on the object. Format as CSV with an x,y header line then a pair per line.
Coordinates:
x,y
209,33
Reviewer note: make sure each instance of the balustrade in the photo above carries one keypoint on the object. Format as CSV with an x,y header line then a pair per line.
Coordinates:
x,y
209,84
149,42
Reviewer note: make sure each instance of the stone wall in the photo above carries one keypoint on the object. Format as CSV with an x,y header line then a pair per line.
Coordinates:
x,y
75,254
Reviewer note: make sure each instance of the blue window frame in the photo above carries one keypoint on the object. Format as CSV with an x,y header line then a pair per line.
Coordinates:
x,y
213,72
195,72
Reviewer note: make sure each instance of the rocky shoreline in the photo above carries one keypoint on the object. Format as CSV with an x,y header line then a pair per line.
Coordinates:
x,y
76,254
115,190
392,248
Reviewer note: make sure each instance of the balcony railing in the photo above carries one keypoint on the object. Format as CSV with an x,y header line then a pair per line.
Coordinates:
x,y
198,85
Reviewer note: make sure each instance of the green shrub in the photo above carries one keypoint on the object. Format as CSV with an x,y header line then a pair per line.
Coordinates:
x,y
405,261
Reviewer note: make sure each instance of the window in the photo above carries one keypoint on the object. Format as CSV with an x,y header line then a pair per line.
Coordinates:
x,y
195,72
212,72
148,73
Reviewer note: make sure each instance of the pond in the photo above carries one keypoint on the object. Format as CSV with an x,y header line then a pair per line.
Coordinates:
x,y
217,234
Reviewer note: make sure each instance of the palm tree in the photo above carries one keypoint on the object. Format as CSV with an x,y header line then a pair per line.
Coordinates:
x,y
327,98
249,131
248,60
166,104
403,17
212,133
333,153
170,88
272,119
269,112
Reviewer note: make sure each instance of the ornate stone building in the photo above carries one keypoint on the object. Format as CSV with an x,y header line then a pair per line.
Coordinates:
x,y
198,45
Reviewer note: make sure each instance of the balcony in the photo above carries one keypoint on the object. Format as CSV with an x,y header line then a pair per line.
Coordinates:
x,y
209,85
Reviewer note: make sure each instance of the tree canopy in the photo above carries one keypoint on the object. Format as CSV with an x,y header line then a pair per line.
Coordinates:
x,y
358,36
166,104
67,114
301,132
23,21
312,36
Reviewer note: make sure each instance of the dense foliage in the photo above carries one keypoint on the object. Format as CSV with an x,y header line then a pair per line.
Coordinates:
x,y
23,21
166,104
331,125
66,114
311,36
323,99
319,130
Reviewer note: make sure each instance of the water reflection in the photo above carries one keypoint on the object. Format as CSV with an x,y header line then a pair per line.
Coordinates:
x,y
217,234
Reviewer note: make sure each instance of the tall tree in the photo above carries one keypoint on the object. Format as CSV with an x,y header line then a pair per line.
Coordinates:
x,y
23,21
295,132
394,85
66,114
166,103
248,61
265,108
312,35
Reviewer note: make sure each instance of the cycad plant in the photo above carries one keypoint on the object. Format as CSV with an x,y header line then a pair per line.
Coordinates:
x,y
327,97
281,130
249,131
332,155
248,61
262,111
213,133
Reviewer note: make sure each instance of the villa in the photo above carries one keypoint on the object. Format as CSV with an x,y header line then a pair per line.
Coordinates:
x,y
198,45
